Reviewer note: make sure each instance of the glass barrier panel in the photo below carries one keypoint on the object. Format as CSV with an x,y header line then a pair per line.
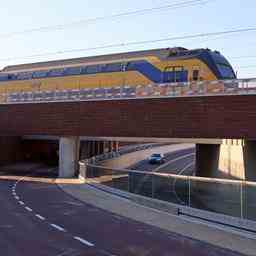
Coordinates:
x,y
140,183
248,201
216,196
178,190
120,180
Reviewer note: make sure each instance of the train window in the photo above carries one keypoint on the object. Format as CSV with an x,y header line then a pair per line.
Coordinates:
x,y
11,76
56,72
3,77
113,67
73,71
123,67
178,71
83,70
39,74
195,75
92,69
101,67
24,75
174,74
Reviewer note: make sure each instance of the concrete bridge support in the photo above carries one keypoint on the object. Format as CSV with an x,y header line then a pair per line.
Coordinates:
x,y
68,156
232,159
207,159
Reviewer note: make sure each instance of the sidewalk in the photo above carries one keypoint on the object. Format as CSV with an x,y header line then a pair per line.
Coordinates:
x,y
173,223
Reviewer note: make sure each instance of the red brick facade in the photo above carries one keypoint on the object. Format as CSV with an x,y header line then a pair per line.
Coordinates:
x,y
190,117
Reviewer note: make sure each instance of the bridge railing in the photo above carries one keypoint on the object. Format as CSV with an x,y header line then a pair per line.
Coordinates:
x,y
182,89
235,198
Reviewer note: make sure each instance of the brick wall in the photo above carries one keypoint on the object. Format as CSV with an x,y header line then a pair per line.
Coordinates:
x,y
191,117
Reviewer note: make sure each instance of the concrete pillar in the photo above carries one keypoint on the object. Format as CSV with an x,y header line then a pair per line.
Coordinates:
x,y
110,146
68,156
92,148
115,146
250,160
233,159
85,150
98,147
238,159
207,158
102,147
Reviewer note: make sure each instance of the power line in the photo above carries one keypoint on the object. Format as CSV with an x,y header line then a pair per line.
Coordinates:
x,y
244,57
110,17
135,43
244,67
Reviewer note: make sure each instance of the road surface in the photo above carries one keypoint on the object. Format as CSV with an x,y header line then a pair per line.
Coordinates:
x,y
40,219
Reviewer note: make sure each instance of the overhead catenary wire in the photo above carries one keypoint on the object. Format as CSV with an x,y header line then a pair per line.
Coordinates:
x,y
83,22
134,43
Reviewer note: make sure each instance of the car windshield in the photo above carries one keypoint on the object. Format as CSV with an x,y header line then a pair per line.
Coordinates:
x,y
156,155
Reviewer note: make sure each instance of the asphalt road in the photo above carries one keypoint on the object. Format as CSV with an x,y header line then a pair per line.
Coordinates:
x,y
174,162
40,219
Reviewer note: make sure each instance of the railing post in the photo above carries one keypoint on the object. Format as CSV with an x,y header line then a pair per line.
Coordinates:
x,y
241,201
189,192
128,183
152,186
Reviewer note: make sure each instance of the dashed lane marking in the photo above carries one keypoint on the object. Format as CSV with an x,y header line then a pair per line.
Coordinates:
x,y
28,209
58,227
40,217
83,241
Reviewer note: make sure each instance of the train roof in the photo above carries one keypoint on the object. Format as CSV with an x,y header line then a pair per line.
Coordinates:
x,y
175,52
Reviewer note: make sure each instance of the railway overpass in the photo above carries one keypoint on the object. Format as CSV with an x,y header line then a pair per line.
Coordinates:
x,y
203,118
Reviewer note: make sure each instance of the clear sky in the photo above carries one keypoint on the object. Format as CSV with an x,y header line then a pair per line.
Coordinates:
x,y
216,15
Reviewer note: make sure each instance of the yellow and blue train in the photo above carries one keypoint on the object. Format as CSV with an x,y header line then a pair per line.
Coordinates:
x,y
131,69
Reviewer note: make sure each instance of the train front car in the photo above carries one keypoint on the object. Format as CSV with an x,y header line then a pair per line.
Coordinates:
x,y
196,65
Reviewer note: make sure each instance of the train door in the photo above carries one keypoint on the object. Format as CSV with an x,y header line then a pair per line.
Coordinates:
x,y
195,73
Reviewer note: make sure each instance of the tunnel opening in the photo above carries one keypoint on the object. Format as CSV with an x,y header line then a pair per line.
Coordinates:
x,y
23,157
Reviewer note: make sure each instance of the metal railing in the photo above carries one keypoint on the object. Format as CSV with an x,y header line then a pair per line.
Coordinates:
x,y
230,197
184,89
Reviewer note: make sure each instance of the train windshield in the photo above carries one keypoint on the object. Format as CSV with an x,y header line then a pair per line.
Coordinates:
x,y
226,71
223,66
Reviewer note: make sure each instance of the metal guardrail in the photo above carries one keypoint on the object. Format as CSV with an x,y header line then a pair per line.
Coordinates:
x,y
184,89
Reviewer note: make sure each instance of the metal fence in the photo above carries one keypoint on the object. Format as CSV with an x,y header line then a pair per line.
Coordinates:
x,y
182,89
230,197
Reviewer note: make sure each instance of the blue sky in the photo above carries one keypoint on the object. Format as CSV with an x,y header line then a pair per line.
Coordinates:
x,y
216,15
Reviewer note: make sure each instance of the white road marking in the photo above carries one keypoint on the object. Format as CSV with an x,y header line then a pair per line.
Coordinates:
x,y
40,217
171,161
175,181
28,209
58,227
83,241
